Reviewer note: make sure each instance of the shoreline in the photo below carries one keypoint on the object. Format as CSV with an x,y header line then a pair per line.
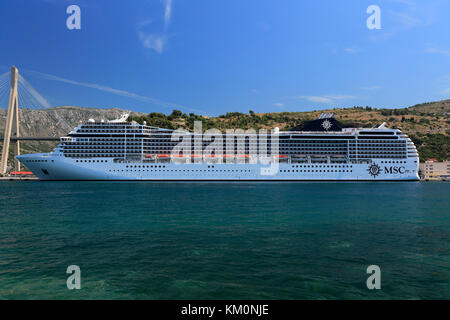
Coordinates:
x,y
18,178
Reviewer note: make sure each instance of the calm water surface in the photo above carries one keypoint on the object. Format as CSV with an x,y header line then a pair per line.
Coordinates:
x,y
224,240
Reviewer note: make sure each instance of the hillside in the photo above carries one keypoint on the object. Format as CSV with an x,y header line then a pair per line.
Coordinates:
x,y
429,118
428,124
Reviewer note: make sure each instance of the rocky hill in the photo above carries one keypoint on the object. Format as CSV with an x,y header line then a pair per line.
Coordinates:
x,y
428,124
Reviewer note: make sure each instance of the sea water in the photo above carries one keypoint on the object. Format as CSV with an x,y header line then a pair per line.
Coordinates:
x,y
147,240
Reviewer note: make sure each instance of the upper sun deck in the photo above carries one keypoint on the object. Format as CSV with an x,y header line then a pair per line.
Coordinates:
x,y
114,127
324,127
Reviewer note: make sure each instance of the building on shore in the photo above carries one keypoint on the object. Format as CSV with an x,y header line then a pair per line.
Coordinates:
x,y
434,170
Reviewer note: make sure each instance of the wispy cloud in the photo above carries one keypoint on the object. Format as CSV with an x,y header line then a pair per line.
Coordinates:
x,y
317,99
103,88
371,88
327,98
435,50
352,50
407,2
407,20
341,97
446,91
404,15
279,105
152,40
167,12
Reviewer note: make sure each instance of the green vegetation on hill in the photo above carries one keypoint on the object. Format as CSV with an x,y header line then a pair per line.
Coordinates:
x,y
427,124
435,146
177,119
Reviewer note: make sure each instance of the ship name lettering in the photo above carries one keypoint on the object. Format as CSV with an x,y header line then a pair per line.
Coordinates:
x,y
394,170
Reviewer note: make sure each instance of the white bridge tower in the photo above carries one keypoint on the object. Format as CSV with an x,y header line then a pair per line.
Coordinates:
x,y
12,123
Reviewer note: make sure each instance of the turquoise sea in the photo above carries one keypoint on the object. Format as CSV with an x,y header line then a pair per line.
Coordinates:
x,y
144,240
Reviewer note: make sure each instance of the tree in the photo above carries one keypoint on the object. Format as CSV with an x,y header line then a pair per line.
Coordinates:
x,y
176,114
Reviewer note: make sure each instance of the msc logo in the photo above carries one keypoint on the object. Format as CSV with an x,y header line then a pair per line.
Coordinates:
x,y
327,125
394,170
374,170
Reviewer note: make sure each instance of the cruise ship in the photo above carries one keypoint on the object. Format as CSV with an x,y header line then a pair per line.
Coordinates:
x,y
320,150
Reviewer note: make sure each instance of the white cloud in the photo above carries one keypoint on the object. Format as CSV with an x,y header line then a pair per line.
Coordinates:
x,y
435,50
278,104
327,98
156,41
352,50
407,20
405,15
143,23
317,99
406,2
167,12
446,91
153,41
371,88
341,97
415,13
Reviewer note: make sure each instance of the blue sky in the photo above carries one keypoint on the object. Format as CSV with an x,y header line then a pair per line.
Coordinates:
x,y
215,56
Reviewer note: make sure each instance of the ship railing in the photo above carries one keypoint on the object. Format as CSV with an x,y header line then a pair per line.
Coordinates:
x,y
212,158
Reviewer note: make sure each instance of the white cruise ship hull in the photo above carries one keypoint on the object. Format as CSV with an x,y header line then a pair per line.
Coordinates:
x,y
49,166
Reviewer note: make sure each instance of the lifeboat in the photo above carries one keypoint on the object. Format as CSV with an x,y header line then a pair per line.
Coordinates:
x,y
148,156
21,173
163,155
242,155
228,156
281,156
196,155
178,156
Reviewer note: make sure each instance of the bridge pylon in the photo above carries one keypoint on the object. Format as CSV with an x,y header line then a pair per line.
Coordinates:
x,y
12,124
